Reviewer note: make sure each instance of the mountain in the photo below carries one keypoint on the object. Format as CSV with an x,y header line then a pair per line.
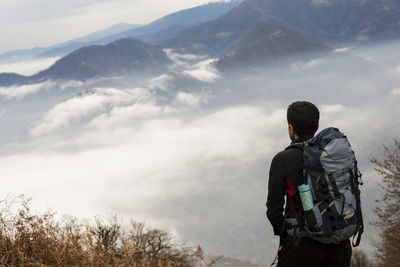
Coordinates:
x,y
338,21
267,42
21,54
335,21
161,29
68,47
8,79
168,26
215,37
116,28
121,57
63,48
251,33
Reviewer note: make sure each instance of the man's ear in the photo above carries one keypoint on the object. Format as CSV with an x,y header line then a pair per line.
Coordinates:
x,y
292,133
291,129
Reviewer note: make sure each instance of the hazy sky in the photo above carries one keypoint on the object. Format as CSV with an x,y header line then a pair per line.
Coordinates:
x,y
30,23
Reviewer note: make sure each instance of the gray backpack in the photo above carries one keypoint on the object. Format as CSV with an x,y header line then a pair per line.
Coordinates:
x,y
330,169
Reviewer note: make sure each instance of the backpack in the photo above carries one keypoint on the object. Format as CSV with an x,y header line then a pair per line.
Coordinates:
x,y
330,170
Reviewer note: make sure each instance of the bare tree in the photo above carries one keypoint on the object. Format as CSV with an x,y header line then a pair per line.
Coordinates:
x,y
211,263
27,239
106,235
155,247
388,210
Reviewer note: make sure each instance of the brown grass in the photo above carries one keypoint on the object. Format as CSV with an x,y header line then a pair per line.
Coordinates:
x,y
42,240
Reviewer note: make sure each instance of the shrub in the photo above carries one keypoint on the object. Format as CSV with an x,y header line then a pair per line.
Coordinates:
x,y
388,210
360,259
42,240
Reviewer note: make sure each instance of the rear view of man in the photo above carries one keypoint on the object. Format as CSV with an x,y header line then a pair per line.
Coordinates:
x,y
285,176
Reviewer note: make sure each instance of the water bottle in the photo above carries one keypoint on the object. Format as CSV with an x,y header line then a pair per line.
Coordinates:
x,y
308,203
306,197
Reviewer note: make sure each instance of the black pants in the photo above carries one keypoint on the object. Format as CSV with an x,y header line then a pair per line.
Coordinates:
x,y
311,253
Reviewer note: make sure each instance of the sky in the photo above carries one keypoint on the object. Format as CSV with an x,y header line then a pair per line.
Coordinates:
x,y
26,24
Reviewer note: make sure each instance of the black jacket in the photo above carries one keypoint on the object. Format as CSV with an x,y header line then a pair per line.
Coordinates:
x,y
285,175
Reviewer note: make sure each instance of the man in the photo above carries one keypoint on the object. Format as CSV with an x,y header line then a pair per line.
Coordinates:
x,y
285,176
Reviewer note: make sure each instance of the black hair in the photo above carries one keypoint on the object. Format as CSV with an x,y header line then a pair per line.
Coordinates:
x,y
304,117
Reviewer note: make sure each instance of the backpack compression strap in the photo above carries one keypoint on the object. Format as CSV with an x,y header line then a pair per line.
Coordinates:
x,y
360,225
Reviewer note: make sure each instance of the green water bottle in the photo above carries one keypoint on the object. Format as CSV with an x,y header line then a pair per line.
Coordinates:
x,y
308,204
306,197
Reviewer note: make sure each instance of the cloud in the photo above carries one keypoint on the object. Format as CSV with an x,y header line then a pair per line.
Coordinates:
x,y
91,103
204,71
64,85
191,100
199,67
395,92
159,168
196,159
310,64
332,108
190,78
183,60
162,82
19,92
320,2
28,67
343,49
157,160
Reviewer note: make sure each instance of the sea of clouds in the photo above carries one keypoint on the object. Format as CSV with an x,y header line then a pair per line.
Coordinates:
x,y
189,151
28,67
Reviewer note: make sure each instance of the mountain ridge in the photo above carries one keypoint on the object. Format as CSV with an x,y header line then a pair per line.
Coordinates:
x,y
336,22
37,52
181,19
121,57
257,31
267,42
164,28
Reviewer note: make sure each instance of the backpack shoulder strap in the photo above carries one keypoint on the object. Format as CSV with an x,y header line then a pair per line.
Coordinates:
x,y
300,145
299,216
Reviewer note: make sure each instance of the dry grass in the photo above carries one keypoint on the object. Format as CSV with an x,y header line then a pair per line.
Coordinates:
x,y
360,259
42,240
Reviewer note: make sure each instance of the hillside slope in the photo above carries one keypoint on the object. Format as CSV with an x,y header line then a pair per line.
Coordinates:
x,y
268,42
336,21
215,37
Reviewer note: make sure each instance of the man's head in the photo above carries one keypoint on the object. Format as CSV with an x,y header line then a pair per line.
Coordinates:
x,y
303,119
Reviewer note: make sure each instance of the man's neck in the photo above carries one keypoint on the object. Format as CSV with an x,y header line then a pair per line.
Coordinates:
x,y
302,139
